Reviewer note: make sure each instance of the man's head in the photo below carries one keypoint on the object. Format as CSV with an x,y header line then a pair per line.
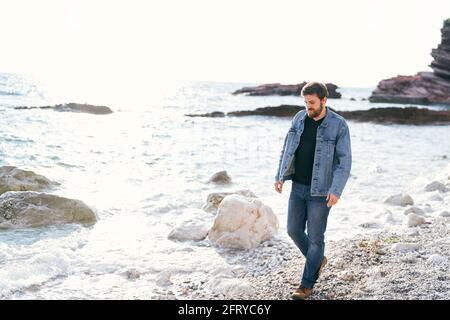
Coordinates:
x,y
315,95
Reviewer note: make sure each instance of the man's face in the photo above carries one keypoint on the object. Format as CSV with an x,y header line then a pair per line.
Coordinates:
x,y
314,105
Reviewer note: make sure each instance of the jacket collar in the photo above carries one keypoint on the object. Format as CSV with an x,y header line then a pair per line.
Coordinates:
x,y
325,119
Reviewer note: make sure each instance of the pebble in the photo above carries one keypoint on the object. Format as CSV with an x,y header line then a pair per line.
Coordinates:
x,y
405,247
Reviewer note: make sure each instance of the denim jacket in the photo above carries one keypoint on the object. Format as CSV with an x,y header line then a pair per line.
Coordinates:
x,y
332,157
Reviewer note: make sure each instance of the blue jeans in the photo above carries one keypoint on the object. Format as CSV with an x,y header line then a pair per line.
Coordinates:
x,y
311,212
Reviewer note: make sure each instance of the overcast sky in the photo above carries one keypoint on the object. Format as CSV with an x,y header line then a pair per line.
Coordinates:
x,y
350,43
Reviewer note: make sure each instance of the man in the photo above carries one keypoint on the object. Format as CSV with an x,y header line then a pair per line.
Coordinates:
x,y
317,157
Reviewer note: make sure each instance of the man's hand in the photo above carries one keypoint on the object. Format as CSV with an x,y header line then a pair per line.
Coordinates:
x,y
278,186
332,199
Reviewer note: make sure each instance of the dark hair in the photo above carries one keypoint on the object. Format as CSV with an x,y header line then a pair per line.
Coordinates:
x,y
317,88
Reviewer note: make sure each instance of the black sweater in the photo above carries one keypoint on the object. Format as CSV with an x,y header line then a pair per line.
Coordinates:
x,y
304,155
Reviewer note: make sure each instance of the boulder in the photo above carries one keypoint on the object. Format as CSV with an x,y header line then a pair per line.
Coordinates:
x,y
214,199
400,199
220,177
14,179
243,222
436,185
414,220
194,229
19,209
444,214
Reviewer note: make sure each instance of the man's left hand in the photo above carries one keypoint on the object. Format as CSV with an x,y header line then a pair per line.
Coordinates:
x,y
332,199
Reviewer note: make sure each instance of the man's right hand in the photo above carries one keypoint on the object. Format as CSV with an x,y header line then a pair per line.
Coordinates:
x,y
278,186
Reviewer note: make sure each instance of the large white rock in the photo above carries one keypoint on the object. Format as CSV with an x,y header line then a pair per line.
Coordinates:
x,y
34,209
414,220
243,222
436,185
214,199
14,179
400,199
190,229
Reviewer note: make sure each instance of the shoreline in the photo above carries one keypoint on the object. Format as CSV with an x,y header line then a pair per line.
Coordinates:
x,y
374,266
407,264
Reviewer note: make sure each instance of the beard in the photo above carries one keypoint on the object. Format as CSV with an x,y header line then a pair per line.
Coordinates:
x,y
315,113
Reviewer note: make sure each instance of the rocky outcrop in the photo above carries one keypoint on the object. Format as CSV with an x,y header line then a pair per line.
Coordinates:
x,y
441,55
242,223
215,114
75,107
284,110
277,89
14,179
424,87
409,115
21,209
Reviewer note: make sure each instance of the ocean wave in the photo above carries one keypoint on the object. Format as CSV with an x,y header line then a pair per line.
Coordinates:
x,y
17,85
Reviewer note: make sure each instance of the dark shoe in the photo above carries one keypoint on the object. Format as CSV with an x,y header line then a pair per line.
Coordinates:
x,y
322,265
301,293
